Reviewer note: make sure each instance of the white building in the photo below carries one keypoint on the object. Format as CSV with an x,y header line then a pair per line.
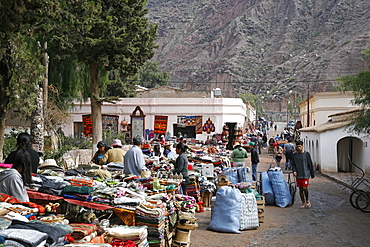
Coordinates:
x,y
329,142
180,112
323,104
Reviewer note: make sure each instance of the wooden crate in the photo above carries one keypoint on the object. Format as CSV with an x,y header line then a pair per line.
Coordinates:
x,y
206,197
261,210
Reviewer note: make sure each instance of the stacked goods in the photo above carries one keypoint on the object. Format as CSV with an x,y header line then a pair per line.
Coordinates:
x,y
152,216
123,234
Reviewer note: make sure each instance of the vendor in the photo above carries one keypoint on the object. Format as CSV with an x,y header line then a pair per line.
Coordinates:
x,y
167,149
102,149
181,165
13,181
114,155
156,151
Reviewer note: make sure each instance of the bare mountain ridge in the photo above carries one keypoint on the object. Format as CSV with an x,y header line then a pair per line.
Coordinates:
x,y
256,46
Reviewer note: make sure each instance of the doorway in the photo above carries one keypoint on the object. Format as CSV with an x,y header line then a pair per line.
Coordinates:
x,y
352,147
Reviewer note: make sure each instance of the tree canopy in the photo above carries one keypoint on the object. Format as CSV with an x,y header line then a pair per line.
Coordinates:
x,y
359,84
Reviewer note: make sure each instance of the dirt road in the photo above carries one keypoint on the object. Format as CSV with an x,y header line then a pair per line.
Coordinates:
x,y
331,221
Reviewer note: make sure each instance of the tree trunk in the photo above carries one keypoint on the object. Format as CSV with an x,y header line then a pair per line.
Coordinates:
x,y
2,131
37,122
96,114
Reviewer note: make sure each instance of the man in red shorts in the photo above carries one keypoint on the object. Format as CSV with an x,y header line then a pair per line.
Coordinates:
x,y
302,169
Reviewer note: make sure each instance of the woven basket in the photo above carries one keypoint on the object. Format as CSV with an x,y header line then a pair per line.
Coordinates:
x,y
52,219
187,226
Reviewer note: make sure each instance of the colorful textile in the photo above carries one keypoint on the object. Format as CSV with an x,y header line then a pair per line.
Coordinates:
x,y
81,230
71,189
127,216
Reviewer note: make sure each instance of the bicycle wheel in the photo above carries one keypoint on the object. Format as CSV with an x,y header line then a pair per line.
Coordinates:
x,y
353,197
363,201
292,189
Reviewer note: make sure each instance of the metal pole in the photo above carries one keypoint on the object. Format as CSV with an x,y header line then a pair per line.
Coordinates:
x,y
308,105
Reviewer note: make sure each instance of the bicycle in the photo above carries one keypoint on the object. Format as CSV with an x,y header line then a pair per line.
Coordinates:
x,y
360,196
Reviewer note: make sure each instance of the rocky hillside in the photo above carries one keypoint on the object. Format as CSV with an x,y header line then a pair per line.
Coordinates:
x,y
260,45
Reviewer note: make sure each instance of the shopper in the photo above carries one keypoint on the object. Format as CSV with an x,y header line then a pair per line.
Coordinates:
x,y
13,181
302,169
288,151
255,160
278,152
24,143
181,166
238,155
134,158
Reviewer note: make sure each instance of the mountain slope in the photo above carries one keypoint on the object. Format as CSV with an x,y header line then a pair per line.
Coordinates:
x,y
257,46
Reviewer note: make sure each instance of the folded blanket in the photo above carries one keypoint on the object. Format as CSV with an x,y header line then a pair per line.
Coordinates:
x,y
53,233
81,230
70,189
25,237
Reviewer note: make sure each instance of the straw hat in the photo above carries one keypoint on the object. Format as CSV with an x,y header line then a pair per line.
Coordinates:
x,y
117,143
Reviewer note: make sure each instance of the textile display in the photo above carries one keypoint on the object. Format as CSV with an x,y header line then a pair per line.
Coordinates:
x,y
249,212
266,188
154,218
227,210
280,187
160,125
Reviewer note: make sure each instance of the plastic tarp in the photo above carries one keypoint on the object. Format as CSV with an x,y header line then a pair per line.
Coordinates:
x,y
280,187
227,210
266,189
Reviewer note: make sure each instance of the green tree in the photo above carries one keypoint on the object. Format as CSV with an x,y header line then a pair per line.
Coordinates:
x,y
359,84
150,76
105,35
20,65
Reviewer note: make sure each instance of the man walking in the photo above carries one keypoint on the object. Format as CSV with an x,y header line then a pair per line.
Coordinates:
x,y
288,151
302,169
255,160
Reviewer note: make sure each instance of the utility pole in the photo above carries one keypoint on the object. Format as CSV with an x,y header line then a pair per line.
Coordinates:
x,y
308,105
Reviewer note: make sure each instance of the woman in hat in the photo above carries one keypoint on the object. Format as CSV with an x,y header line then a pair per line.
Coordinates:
x,y
115,154
102,149
13,181
278,152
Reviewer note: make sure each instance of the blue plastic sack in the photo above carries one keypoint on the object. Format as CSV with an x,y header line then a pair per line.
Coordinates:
x,y
227,210
280,187
244,175
232,175
266,189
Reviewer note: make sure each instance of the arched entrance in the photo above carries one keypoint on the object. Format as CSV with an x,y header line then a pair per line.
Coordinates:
x,y
351,146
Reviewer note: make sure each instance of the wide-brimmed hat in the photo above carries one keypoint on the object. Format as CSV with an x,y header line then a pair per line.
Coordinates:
x,y
50,164
117,143
167,144
237,144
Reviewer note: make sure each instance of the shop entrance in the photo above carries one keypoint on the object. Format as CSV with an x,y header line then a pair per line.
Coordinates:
x,y
230,144
186,131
